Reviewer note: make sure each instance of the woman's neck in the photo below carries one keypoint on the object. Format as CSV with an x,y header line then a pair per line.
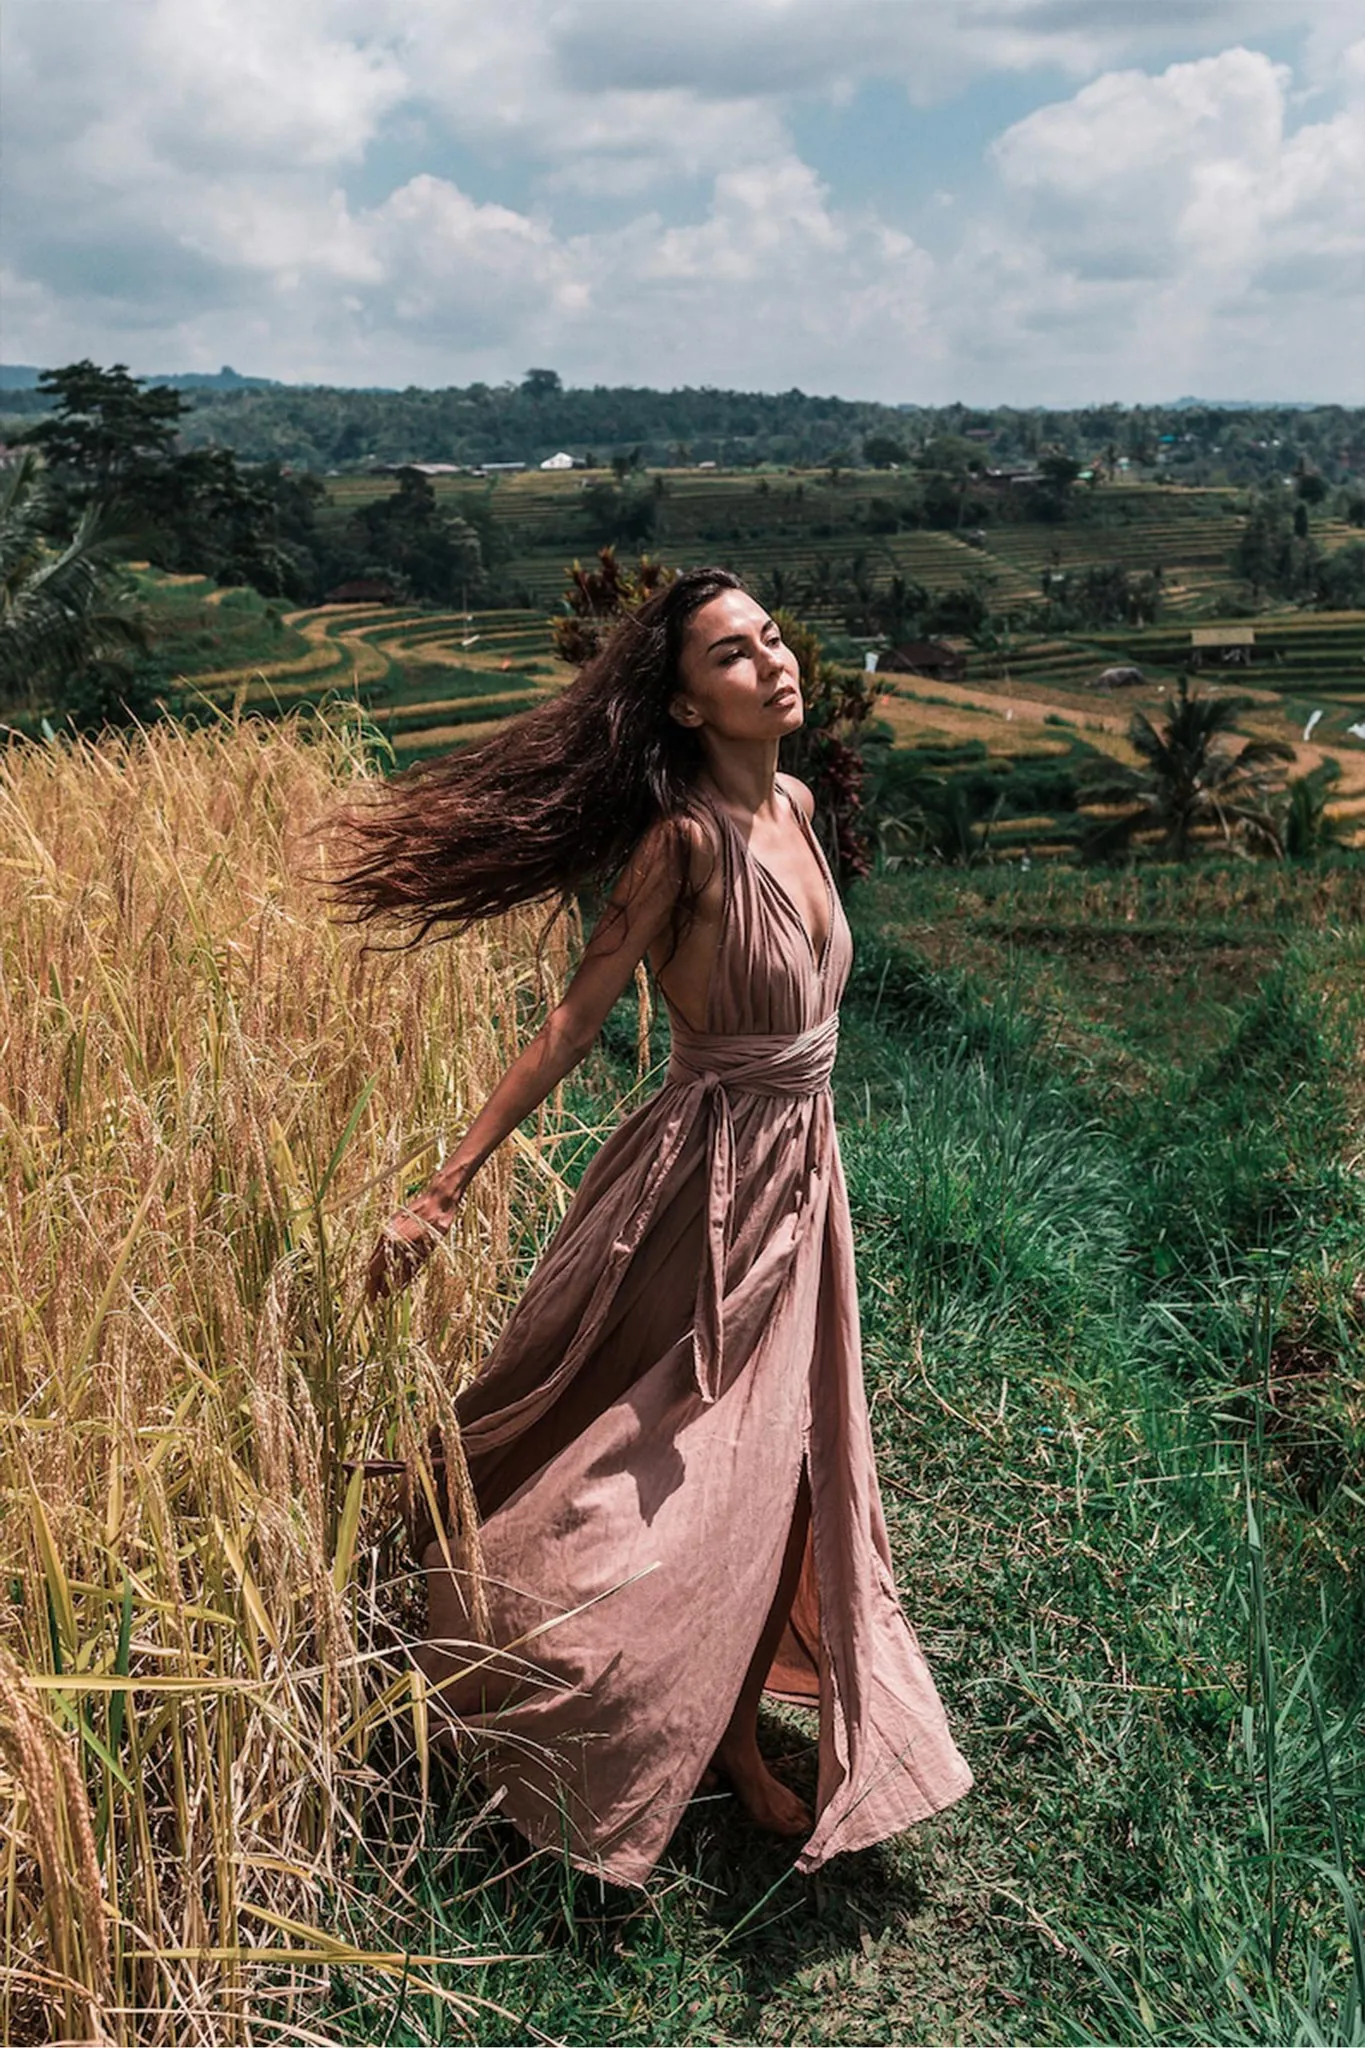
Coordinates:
x,y
743,774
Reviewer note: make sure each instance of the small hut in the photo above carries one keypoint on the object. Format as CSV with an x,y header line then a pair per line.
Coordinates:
x,y
1222,646
932,658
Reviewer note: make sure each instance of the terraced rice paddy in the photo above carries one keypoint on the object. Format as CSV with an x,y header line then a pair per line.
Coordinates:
x,y
806,525
424,680
430,680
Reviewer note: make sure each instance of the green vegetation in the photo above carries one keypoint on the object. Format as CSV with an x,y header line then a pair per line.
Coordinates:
x,y
109,440
1094,1134
64,610
1048,550
1102,1134
321,429
1192,781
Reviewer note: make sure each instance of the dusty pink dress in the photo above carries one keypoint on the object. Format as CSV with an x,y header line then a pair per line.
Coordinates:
x,y
636,1442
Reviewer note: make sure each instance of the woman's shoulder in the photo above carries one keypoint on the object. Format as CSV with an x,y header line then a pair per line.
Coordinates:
x,y
797,791
684,846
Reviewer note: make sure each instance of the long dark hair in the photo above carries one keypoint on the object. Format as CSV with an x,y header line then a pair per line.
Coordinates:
x,y
552,805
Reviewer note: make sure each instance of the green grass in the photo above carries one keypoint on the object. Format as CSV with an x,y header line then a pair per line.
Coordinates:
x,y
1115,1364
192,635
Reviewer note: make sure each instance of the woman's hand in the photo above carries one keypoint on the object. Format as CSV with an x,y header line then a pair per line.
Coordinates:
x,y
406,1242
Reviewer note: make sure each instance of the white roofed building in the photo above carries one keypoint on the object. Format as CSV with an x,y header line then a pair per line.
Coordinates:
x,y
560,461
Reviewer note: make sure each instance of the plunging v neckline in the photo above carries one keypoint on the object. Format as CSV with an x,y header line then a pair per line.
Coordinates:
x,y
818,961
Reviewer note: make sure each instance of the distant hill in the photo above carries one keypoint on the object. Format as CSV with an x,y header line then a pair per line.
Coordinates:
x,y
24,377
1244,405
226,379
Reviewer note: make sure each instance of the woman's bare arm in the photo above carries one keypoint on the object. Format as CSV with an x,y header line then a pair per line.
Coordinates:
x,y
637,915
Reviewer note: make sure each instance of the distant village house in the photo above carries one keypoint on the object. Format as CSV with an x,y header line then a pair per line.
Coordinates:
x,y
560,461
1221,646
932,658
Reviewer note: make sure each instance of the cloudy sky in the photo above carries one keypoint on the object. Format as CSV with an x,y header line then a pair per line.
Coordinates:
x,y
1029,201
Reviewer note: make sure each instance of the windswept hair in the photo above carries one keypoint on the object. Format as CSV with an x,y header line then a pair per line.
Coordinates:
x,y
553,804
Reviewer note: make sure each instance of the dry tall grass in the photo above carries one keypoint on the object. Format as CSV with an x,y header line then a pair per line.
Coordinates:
x,y
207,1099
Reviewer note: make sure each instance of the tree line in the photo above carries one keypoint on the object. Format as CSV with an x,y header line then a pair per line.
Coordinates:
x,y
322,428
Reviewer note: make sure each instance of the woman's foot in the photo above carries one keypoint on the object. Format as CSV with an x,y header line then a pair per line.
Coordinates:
x,y
769,1803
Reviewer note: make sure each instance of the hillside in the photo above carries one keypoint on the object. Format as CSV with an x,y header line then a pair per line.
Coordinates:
x,y
1017,728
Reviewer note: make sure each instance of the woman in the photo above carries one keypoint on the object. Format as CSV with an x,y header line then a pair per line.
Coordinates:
x,y
669,1444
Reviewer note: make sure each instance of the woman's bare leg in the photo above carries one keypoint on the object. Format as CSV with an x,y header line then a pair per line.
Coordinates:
x,y
765,1798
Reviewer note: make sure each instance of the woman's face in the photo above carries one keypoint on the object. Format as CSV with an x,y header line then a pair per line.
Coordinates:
x,y
738,679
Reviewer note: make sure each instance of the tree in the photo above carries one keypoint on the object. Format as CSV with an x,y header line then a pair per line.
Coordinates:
x,y
541,384
1272,553
105,424
898,608
883,451
1306,829
351,443
1340,579
618,515
1059,471
597,599
64,608
1191,779
948,464
202,512
825,751
1101,594
964,609
1051,499
111,438
410,536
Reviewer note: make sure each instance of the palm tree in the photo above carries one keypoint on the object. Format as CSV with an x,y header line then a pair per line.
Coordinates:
x,y
62,609
1190,777
1307,829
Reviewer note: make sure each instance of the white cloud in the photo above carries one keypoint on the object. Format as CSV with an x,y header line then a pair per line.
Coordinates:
x,y
181,178
1149,218
1136,176
774,286
123,88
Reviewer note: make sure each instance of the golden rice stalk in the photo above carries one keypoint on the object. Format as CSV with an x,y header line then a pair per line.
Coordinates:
x,y
209,1103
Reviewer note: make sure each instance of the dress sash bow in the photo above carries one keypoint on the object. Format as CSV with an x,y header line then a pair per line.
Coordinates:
x,y
708,1068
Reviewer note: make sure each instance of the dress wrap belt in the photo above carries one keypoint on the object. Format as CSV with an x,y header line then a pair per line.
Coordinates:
x,y
706,1069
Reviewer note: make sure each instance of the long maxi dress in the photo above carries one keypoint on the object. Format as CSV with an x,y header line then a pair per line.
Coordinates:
x,y
637,1436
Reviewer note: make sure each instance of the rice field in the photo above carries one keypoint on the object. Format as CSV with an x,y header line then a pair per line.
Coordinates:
x,y
425,680
416,678
208,1105
806,523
